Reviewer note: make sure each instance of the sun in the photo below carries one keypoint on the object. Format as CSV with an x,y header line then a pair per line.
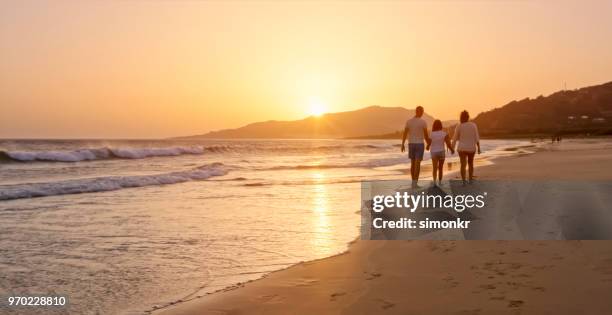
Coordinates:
x,y
317,108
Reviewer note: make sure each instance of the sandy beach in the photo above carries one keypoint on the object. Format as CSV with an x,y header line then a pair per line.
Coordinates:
x,y
447,277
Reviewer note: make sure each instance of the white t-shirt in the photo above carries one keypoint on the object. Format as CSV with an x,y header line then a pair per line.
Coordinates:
x,y
415,126
467,135
437,141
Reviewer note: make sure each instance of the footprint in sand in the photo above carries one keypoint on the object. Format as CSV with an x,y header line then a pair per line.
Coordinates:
x,y
386,304
334,296
373,275
515,303
269,298
543,267
488,286
475,311
450,282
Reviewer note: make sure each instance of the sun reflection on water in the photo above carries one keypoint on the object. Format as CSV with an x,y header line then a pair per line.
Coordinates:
x,y
321,240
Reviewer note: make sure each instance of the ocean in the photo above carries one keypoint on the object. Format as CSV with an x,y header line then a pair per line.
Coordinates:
x,y
129,226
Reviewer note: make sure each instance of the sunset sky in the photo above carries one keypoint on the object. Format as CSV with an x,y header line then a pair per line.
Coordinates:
x,y
144,69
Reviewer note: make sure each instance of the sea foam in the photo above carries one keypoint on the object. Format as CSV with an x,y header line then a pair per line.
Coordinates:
x,y
97,154
371,163
109,183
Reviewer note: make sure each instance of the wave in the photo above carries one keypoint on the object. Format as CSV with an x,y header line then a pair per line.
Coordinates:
x,y
109,183
96,154
298,149
364,164
104,153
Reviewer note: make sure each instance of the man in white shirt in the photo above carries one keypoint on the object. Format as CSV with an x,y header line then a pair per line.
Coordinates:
x,y
416,128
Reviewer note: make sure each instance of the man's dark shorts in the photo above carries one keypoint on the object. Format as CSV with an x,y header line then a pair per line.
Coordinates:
x,y
416,150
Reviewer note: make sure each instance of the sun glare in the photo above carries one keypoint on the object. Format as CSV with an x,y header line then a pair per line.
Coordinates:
x,y
317,108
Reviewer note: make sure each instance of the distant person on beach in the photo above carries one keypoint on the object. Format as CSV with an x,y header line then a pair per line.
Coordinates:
x,y
437,148
469,142
416,128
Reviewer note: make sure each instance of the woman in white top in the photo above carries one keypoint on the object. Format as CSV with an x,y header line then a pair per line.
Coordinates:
x,y
439,138
469,141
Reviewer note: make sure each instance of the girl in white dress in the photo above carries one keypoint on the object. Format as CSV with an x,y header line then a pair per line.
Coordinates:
x,y
440,141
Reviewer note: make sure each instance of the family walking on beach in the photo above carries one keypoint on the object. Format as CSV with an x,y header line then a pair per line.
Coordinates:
x,y
466,134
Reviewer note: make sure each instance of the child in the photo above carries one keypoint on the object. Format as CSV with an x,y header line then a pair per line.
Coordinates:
x,y
439,137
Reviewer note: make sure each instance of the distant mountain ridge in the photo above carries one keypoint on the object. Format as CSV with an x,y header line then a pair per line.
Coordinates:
x,y
584,110
372,120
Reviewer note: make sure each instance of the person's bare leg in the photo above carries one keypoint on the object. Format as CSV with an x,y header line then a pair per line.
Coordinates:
x,y
412,168
417,169
434,162
440,168
471,165
463,162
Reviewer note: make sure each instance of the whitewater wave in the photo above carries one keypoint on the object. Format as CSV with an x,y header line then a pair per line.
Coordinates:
x,y
109,183
91,154
373,163
298,149
96,154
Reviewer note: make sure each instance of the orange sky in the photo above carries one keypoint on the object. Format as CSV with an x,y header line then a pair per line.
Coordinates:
x,y
132,69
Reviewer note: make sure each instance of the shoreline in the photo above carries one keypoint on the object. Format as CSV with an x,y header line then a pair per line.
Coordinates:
x,y
426,176
426,169
338,283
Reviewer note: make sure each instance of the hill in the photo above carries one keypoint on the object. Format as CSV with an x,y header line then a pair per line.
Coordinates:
x,y
582,111
585,110
373,120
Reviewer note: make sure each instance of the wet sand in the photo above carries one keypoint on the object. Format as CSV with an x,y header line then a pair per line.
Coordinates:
x,y
448,277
